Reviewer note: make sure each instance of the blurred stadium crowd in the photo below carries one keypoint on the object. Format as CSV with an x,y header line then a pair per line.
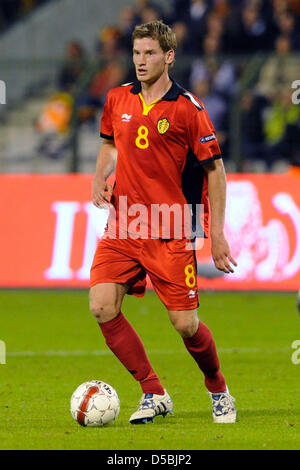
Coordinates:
x,y
13,10
232,54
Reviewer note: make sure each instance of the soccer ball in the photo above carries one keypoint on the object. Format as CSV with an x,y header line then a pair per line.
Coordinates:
x,y
95,403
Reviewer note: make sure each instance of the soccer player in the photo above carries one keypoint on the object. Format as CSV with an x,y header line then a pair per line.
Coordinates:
x,y
167,154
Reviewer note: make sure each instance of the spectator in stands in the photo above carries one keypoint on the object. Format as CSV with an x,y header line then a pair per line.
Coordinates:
x,y
253,35
280,6
216,107
112,74
181,69
73,66
198,12
269,120
219,71
150,14
142,12
181,31
252,133
54,120
108,45
109,73
126,26
281,128
179,11
193,13
294,6
279,70
288,26
215,27
221,8
146,9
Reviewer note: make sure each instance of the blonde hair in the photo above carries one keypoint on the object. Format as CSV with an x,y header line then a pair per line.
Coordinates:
x,y
159,31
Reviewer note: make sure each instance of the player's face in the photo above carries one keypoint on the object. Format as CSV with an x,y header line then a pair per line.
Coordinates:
x,y
150,60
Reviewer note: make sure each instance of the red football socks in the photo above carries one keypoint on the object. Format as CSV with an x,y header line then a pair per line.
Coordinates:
x,y
124,342
202,347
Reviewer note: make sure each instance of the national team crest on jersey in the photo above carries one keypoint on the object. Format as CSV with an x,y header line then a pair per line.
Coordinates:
x,y
163,125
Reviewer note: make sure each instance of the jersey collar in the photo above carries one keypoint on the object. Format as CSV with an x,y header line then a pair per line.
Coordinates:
x,y
171,95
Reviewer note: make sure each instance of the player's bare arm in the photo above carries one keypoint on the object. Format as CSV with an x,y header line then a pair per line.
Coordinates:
x,y
217,196
106,162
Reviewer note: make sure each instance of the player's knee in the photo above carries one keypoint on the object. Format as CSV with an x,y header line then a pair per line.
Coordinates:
x,y
186,327
103,310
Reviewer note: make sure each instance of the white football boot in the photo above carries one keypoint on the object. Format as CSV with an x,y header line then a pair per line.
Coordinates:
x,y
223,407
152,405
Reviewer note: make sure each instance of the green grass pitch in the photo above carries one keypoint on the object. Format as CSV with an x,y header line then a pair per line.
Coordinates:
x,y
53,345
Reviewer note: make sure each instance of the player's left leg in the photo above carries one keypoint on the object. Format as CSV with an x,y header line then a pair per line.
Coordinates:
x,y
200,344
172,269
171,266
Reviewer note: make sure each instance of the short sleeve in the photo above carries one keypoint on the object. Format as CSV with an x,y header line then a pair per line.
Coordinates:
x,y
106,127
202,137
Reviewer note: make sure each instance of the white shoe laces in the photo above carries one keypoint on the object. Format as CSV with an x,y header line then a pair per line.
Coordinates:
x,y
149,403
225,402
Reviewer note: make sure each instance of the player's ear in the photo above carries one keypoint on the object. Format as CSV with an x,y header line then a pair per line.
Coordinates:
x,y
169,57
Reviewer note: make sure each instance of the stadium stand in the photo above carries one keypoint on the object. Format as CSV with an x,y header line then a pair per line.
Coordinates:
x,y
15,10
239,57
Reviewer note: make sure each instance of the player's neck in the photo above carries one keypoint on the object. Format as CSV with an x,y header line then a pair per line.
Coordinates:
x,y
156,90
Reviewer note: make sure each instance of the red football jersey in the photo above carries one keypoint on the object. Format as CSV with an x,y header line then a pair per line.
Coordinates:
x,y
161,149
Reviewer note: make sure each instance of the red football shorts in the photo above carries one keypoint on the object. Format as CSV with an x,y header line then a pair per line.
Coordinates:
x,y
170,266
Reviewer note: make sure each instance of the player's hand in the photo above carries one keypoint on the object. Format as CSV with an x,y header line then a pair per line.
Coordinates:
x,y
101,192
221,254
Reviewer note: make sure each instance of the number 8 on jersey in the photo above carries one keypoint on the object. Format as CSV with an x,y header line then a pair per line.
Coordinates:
x,y
141,141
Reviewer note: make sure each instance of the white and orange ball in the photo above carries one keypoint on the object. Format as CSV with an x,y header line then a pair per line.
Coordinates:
x,y
95,403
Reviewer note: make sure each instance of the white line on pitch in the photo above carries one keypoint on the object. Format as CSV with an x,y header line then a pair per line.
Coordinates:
x,y
151,351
